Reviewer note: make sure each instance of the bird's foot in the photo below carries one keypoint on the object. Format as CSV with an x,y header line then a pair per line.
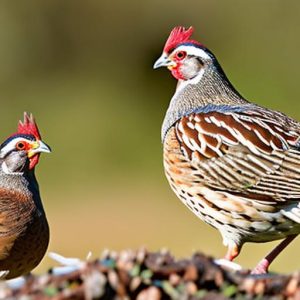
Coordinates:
x,y
223,262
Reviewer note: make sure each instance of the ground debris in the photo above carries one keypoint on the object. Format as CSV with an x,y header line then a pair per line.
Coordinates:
x,y
144,275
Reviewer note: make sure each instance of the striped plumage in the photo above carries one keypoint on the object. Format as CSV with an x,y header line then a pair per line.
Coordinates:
x,y
235,164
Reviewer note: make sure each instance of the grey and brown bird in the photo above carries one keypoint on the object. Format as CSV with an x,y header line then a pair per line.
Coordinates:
x,y
233,163
24,231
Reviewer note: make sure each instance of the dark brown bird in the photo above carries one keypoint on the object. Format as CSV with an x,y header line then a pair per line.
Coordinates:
x,y
24,231
234,164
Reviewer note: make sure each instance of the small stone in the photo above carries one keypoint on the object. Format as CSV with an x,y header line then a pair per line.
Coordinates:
x,y
135,283
126,265
104,254
113,255
113,279
219,279
259,288
174,279
248,285
94,286
191,273
151,293
191,288
42,280
141,254
126,260
292,285
124,277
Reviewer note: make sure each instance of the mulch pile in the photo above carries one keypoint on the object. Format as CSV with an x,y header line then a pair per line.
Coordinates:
x,y
144,275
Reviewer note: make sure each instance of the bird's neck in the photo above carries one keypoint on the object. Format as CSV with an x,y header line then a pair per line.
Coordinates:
x,y
210,86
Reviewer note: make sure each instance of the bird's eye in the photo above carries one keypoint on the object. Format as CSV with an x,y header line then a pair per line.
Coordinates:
x,y
20,146
180,55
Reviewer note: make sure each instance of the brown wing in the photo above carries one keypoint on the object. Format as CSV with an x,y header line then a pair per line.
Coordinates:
x,y
15,213
251,153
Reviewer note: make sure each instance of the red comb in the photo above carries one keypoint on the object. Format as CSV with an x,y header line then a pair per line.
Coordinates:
x,y
28,126
177,36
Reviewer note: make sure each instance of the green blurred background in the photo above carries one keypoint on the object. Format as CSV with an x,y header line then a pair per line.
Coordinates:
x,y
84,68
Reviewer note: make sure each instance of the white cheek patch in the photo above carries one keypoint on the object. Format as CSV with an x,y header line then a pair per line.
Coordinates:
x,y
6,170
183,83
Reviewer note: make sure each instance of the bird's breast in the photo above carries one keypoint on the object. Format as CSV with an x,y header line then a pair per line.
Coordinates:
x,y
24,232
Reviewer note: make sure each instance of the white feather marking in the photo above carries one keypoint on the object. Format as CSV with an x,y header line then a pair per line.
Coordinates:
x,y
200,129
215,149
219,136
180,127
261,137
207,119
261,123
258,162
279,129
196,146
274,146
187,142
245,142
227,141
215,121
238,119
248,166
191,125
292,133
219,140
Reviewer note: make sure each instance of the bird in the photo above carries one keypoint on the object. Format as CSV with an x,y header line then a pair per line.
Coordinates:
x,y
233,163
24,230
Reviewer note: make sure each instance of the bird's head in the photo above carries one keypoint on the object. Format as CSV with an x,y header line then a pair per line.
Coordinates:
x,y
184,57
22,149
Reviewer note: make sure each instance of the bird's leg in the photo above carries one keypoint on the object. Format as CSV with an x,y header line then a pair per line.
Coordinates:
x,y
263,265
232,252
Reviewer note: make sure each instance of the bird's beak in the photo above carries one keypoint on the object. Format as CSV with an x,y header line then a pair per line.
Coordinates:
x,y
38,147
164,61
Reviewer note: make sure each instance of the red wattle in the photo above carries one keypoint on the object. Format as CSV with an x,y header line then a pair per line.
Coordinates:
x,y
177,74
33,161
